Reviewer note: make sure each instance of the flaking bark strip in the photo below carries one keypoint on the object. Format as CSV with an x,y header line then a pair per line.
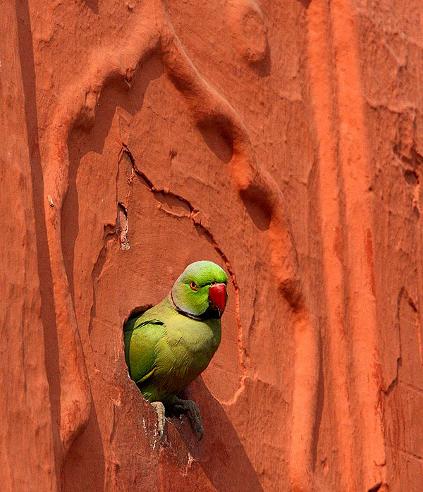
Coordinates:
x,y
322,88
355,171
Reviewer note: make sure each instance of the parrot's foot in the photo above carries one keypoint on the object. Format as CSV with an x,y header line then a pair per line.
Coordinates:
x,y
191,409
161,416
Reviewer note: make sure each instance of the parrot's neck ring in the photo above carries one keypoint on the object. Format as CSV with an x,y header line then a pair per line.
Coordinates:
x,y
185,313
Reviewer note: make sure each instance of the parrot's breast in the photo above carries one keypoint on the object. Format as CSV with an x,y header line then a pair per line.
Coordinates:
x,y
167,350
189,348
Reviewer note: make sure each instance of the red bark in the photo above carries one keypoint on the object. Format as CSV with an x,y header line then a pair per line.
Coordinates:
x,y
280,140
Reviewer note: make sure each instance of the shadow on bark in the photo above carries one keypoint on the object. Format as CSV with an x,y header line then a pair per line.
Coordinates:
x,y
84,467
220,453
26,56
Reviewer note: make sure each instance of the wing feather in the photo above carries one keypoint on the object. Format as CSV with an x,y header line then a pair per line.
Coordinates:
x,y
141,339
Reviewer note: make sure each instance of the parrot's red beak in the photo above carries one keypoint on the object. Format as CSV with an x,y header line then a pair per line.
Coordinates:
x,y
218,296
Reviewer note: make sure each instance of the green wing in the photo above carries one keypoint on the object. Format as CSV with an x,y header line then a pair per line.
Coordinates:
x,y
141,338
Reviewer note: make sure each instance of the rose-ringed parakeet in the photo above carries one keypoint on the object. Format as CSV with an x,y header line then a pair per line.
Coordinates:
x,y
170,344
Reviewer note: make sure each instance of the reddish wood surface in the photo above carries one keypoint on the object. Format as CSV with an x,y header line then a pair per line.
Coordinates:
x,y
282,140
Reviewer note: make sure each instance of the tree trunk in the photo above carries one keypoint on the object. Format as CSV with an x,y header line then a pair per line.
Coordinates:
x,y
282,140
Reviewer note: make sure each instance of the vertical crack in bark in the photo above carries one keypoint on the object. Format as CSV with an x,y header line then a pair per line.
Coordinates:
x,y
122,226
110,235
403,295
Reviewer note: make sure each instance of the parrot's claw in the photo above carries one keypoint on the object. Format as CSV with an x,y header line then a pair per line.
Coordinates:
x,y
191,409
161,416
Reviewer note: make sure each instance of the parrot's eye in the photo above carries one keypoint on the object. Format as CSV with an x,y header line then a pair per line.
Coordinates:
x,y
193,286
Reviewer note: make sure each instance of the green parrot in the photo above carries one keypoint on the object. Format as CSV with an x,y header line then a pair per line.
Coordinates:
x,y
169,345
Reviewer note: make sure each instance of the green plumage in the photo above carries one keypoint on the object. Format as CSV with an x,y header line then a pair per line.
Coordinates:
x,y
169,345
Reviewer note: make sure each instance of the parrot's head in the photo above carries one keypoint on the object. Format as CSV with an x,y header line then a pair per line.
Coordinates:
x,y
200,291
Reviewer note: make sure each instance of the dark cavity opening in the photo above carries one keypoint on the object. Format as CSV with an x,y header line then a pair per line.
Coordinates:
x,y
411,177
136,312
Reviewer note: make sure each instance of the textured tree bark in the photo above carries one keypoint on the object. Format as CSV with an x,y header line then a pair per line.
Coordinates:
x,y
283,141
